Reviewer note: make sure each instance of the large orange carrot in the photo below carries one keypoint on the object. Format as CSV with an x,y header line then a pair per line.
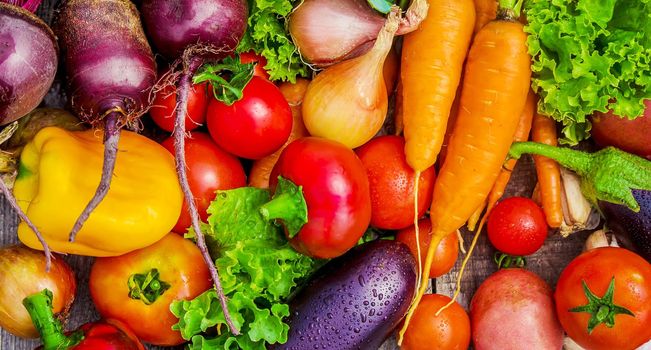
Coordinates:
x,y
548,171
432,61
495,87
521,134
486,11
294,93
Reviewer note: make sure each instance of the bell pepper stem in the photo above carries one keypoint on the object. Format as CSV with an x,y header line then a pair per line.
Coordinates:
x,y
288,206
39,307
576,161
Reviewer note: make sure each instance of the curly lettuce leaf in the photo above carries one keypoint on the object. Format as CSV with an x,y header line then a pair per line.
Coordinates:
x,y
588,56
258,271
268,36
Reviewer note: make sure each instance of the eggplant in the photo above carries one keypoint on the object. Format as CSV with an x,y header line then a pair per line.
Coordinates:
x,y
356,301
632,227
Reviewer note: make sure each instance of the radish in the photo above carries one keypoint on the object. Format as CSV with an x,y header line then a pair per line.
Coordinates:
x,y
28,63
194,31
111,71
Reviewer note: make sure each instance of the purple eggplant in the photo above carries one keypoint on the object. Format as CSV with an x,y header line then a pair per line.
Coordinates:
x,y
632,227
356,301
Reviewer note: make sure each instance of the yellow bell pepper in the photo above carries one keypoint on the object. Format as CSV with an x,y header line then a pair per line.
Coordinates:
x,y
58,174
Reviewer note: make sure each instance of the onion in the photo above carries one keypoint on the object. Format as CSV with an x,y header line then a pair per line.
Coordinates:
x,y
329,31
22,273
348,101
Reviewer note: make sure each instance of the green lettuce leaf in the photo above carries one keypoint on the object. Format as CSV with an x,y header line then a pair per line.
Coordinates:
x,y
588,56
258,270
268,36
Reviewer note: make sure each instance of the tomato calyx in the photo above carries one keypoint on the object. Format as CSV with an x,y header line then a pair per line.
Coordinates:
x,y
505,261
226,90
288,206
147,287
602,310
39,307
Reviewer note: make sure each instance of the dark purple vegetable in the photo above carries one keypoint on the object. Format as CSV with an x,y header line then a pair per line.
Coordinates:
x,y
631,226
28,63
194,32
110,70
357,300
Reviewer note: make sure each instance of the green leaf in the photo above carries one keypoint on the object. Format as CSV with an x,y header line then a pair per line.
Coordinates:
x,y
230,89
589,56
381,6
258,270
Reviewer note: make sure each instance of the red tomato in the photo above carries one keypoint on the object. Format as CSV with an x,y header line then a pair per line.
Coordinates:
x,y
517,226
445,255
632,291
336,191
255,126
209,169
163,108
259,60
116,286
391,183
450,330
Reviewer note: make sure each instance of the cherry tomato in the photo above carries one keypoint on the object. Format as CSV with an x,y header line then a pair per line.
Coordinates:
x,y
138,287
630,276
259,60
336,192
517,226
209,169
391,183
450,330
445,255
255,126
163,108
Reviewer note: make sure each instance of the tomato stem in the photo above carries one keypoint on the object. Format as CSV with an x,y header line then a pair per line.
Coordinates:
x,y
288,205
505,261
39,307
602,310
147,286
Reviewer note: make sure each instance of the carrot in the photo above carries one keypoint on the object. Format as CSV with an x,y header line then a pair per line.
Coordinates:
x,y
495,87
294,93
486,11
521,134
548,171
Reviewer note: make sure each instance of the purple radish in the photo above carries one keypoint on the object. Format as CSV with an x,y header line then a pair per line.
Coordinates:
x,y
194,31
28,63
110,71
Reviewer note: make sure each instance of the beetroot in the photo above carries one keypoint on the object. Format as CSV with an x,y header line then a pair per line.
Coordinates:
x,y
28,63
110,70
193,32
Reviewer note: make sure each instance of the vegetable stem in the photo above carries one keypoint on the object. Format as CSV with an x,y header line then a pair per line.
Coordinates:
x,y
602,310
511,9
147,286
287,205
576,161
39,307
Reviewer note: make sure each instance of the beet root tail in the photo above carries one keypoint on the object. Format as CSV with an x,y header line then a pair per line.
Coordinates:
x,y
111,138
184,86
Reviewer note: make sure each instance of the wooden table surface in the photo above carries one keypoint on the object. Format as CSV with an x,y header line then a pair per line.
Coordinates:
x,y
548,262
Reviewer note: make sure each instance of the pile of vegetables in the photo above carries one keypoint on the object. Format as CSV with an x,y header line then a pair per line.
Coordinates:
x,y
280,174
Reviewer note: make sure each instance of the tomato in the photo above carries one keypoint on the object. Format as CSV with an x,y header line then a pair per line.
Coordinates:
x,y
450,330
163,107
256,125
391,183
209,169
597,268
445,255
517,226
176,267
260,63
336,192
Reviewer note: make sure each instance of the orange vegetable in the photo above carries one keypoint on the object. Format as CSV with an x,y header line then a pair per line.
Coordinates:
x,y
294,93
486,11
548,171
496,83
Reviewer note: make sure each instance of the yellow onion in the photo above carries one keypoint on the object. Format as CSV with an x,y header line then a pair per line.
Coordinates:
x,y
22,273
347,102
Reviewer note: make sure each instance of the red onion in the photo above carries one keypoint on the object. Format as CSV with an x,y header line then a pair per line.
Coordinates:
x,y
329,31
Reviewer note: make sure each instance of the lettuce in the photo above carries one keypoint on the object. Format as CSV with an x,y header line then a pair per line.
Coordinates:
x,y
258,270
268,36
587,56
